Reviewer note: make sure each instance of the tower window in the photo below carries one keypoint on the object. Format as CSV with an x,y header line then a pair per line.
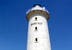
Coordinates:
x,y
35,18
36,40
35,28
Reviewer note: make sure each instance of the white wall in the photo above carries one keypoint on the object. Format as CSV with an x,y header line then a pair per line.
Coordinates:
x,y
42,34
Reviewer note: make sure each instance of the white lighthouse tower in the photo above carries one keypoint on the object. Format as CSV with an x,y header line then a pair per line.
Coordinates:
x,y
38,34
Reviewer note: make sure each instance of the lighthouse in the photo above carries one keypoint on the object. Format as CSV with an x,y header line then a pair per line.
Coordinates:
x,y
38,34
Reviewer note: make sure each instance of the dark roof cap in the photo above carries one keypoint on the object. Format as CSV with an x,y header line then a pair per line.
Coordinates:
x,y
36,5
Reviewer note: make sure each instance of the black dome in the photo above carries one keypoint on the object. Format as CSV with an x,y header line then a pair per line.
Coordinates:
x,y
36,5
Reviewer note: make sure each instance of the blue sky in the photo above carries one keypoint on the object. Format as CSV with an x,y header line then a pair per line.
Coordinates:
x,y
14,26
